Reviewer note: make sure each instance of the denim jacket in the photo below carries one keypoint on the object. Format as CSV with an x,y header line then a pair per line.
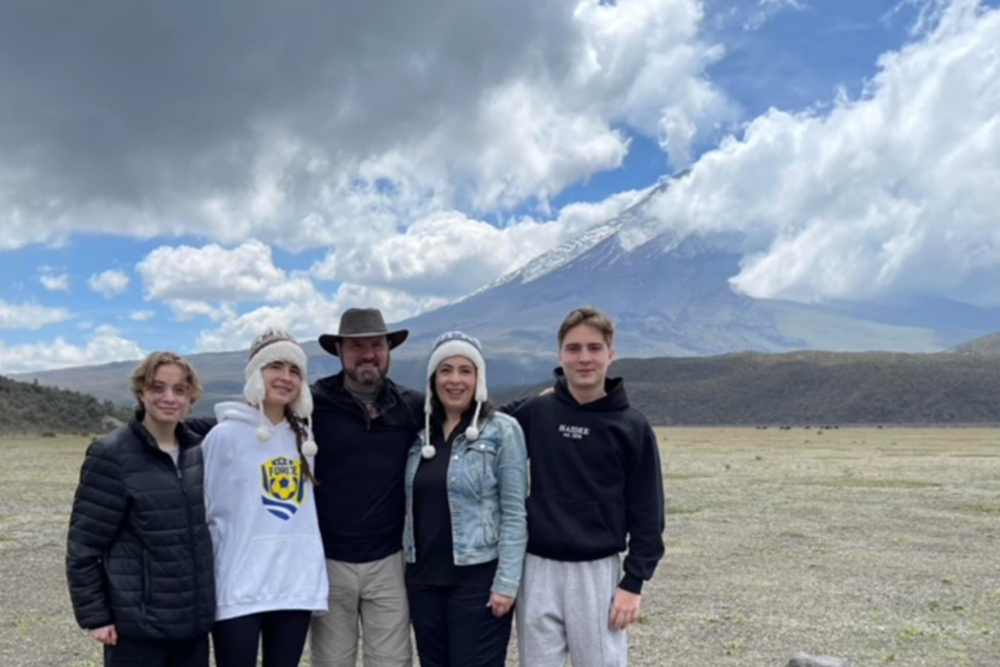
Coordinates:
x,y
487,487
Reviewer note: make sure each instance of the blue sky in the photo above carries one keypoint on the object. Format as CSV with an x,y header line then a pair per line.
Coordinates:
x,y
184,176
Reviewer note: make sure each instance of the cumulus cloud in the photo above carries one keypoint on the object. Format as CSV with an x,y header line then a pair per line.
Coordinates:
x,y
30,316
446,254
55,282
891,193
104,345
109,283
187,309
308,318
449,255
185,274
324,124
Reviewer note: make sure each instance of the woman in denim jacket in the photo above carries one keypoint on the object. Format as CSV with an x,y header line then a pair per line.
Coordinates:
x,y
466,529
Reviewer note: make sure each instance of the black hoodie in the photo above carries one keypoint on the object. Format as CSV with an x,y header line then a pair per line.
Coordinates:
x,y
595,480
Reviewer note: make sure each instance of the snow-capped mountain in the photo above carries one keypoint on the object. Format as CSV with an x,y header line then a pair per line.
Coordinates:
x,y
672,296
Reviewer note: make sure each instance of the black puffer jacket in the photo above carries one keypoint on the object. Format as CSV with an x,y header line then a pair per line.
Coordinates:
x,y
139,552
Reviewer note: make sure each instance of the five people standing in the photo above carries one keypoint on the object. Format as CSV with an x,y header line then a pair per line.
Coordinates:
x,y
440,482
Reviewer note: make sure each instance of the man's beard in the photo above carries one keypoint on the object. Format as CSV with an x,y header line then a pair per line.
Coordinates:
x,y
371,376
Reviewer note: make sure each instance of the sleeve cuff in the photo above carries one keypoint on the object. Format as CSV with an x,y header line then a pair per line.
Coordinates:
x,y
631,583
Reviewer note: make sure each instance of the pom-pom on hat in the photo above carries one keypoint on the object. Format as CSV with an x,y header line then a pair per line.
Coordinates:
x,y
455,344
271,346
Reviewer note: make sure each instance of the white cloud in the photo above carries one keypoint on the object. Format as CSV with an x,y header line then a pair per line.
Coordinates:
x,y
55,282
30,316
104,346
533,103
142,315
186,309
109,283
308,318
449,255
212,273
892,193
446,254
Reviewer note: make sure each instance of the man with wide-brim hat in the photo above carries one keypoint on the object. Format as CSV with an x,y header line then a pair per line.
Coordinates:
x,y
364,424
361,323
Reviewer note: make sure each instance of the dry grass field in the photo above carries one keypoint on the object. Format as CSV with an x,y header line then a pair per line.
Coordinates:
x,y
879,546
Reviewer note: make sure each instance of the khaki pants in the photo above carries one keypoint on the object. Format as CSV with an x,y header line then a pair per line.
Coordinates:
x,y
370,597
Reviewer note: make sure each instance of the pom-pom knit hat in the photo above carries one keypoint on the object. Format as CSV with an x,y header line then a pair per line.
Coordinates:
x,y
455,344
271,346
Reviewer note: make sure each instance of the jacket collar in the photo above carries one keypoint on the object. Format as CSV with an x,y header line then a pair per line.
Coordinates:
x,y
185,437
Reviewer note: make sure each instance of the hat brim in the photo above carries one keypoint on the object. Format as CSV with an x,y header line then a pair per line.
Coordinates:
x,y
329,341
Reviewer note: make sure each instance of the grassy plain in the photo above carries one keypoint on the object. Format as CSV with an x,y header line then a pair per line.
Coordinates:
x,y
879,546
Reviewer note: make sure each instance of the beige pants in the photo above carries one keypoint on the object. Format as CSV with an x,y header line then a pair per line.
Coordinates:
x,y
370,597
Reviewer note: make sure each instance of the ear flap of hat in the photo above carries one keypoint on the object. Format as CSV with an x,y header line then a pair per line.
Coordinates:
x,y
254,390
303,405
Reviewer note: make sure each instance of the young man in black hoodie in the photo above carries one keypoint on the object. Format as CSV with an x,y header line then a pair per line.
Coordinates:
x,y
596,491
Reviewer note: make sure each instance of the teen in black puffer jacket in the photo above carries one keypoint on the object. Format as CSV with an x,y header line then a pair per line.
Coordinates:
x,y
140,521
139,554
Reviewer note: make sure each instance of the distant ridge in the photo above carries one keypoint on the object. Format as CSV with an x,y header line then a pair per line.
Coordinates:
x,y
31,409
988,344
755,388
814,388
818,388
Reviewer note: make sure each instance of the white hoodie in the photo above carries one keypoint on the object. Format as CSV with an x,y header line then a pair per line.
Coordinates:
x,y
262,516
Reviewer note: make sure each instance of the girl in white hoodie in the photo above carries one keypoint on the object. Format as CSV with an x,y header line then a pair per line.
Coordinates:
x,y
269,565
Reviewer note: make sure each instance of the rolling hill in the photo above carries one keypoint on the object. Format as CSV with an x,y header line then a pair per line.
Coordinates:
x,y
30,408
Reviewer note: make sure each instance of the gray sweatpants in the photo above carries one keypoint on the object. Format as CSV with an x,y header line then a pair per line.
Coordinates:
x,y
563,609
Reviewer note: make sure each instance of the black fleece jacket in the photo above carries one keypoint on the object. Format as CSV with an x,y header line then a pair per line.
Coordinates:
x,y
139,553
360,497
596,480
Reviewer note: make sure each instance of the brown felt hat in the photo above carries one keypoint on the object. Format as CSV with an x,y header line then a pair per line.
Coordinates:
x,y
361,323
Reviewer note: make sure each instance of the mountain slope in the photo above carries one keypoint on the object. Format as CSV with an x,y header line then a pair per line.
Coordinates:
x,y
988,344
667,297
31,408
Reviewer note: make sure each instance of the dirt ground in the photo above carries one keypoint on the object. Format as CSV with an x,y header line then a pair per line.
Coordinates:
x,y
876,545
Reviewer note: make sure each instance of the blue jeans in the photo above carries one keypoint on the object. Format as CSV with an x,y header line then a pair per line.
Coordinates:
x,y
454,627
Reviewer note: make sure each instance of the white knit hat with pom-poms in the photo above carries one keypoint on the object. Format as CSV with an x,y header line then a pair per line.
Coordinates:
x,y
271,346
454,344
